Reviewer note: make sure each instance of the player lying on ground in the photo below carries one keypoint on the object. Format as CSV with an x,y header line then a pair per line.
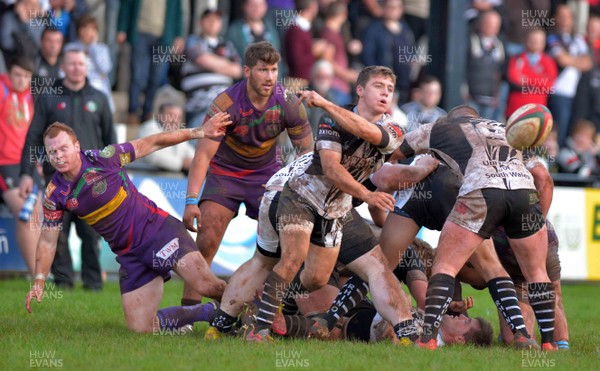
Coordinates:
x,y
149,243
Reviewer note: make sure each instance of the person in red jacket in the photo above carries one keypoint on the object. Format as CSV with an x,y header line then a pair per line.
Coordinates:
x,y
531,74
16,112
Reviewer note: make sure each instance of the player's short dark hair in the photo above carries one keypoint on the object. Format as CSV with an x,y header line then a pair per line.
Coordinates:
x,y
366,73
462,110
482,337
261,51
86,20
56,128
23,62
425,253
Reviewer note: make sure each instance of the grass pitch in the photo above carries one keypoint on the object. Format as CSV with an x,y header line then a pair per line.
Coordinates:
x,y
80,330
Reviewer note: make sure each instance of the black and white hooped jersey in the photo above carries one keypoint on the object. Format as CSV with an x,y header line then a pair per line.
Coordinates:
x,y
475,147
359,157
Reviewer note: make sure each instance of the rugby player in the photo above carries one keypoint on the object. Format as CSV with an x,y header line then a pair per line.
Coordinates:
x,y
237,166
313,204
148,242
497,190
359,252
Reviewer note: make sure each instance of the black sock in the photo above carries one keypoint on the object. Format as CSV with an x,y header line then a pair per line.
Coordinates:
x,y
298,327
352,293
439,295
271,298
295,290
543,299
504,295
222,321
187,302
406,329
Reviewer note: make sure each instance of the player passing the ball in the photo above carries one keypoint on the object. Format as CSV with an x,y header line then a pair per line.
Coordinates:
x,y
148,242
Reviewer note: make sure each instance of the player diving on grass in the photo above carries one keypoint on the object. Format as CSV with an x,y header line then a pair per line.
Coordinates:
x,y
148,242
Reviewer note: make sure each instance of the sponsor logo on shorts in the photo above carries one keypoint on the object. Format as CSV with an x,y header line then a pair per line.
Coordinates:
x,y
461,208
169,249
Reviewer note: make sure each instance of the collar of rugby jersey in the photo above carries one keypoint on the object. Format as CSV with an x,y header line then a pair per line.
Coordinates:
x,y
303,23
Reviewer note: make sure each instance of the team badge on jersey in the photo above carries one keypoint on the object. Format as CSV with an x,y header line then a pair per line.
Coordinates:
x,y
107,152
91,176
99,188
72,204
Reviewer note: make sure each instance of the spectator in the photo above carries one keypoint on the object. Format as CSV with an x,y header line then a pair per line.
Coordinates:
x,y
531,74
47,63
151,27
521,16
586,104
97,54
571,53
210,67
416,15
390,42
176,158
64,14
335,17
322,76
17,35
424,109
580,153
362,13
301,52
16,111
254,27
485,64
75,102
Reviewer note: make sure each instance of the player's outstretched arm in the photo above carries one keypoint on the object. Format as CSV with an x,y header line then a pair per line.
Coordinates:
x,y
341,178
350,121
46,248
213,128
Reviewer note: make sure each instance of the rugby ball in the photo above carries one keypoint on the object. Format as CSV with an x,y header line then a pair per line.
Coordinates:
x,y
529,126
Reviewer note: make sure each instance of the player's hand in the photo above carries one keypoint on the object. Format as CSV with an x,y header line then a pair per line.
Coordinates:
x,y
311,98
461,306
192,213
381,200
215,127
25,186
428,161
36,291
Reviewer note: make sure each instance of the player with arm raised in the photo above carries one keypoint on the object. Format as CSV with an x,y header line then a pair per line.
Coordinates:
x,y
148,241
